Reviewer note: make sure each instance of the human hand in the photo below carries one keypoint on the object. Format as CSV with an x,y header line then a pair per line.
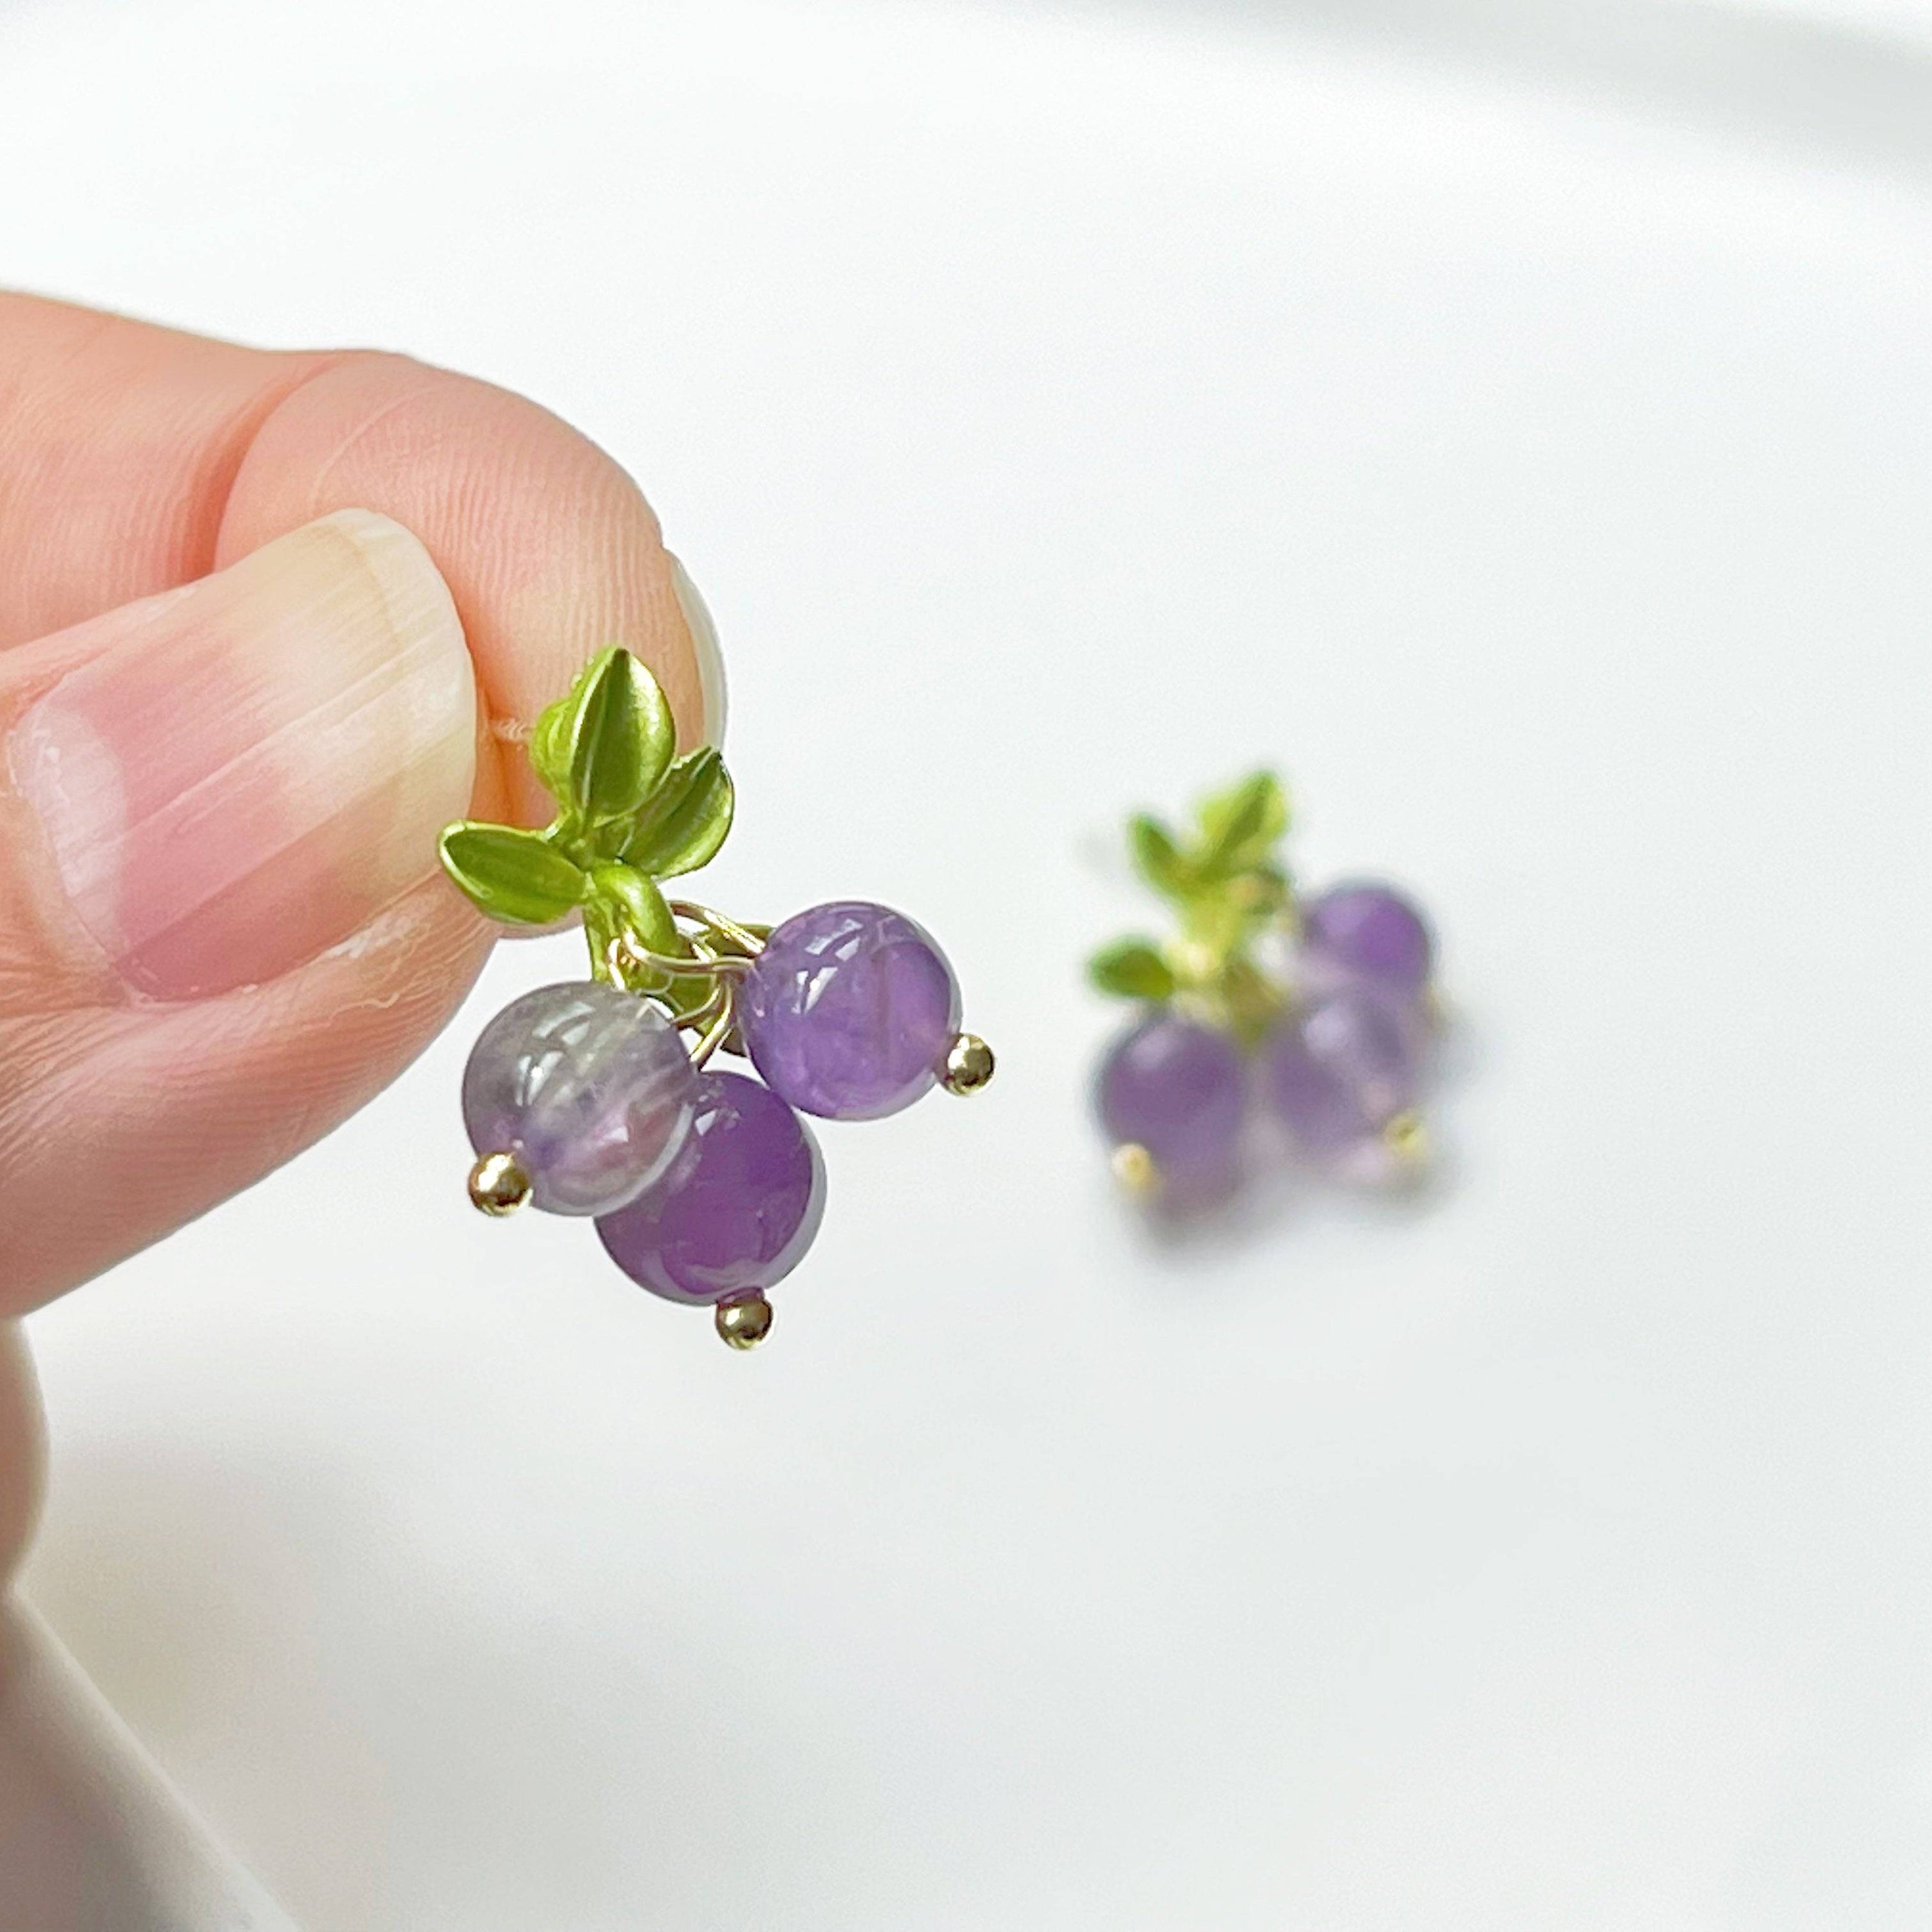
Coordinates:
x,y
267,623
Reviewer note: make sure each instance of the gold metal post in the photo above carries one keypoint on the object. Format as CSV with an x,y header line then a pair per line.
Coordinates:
x,y
745,1323
969,1063
498,1185
1406,1137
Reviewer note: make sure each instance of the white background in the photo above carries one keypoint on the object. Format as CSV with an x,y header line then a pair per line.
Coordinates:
x,y
1515,422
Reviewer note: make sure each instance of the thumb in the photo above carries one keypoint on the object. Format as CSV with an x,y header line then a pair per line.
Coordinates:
x,y
218,930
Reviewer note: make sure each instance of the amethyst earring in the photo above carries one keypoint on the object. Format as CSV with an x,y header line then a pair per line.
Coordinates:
x,y
1314,1016
705,1186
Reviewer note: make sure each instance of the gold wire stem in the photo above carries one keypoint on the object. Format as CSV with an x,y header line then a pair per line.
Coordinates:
x,y
700,1017
702,965
616,963
747,941
716,1018
721,1028
674,966
703,962
713,966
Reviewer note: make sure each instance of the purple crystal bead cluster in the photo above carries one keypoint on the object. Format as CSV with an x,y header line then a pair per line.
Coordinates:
x,y
705,1186
1316,1014
709,1186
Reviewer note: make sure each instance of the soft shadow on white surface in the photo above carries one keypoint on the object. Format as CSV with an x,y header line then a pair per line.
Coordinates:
x,y
1058,417
91,1838
1835,76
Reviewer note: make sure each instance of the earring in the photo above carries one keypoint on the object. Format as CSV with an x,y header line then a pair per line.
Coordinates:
x,y
705,1186
1317,1014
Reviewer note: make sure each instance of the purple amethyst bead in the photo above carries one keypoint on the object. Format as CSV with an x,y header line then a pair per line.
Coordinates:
x,y
1179,1090
1338,1071
588,1087
1368,934
849,1011
740,1207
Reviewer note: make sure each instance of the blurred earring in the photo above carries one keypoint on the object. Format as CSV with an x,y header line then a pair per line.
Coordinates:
x,y
1311,1020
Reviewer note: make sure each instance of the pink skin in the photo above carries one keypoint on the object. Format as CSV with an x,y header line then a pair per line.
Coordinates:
x,y
220,928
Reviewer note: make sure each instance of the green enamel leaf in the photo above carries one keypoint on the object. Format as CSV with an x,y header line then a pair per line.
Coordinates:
x,y
685,820
549,746
512,876
1157,858
600,928
1240,826
638,908
1132,969
618,733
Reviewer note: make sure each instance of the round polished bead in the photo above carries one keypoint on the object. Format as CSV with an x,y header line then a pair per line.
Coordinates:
x,y
743,1322
738,1208
588,1088
969,1067
1177,1089
849,1011
1339,1071
1368,935
498,1185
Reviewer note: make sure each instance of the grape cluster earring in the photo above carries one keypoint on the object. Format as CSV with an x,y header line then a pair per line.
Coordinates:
x,y
705,1186
1317,1013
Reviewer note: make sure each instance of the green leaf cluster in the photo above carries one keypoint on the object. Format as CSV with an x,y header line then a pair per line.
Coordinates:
x,y
1133,969
1232,844
630,813
1224,878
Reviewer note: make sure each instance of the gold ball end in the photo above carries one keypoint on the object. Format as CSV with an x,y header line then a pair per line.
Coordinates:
x,y
498,1185
745,1323
1134,1168
969,1065
1406,1137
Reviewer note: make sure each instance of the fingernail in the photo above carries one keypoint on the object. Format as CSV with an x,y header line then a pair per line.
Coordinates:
x,y
242,774
704,648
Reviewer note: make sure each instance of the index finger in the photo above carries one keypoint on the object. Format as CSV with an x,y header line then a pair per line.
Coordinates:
x,y
240,596
138,457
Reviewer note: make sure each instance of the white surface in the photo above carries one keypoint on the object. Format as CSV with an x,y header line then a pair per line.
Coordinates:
x,y
92,1839
1532,454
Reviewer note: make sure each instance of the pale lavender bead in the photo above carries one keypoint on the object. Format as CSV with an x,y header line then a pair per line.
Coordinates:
x,y
739,1208
1180,1090
589,1088
1338,1071
849,1011
1368,935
